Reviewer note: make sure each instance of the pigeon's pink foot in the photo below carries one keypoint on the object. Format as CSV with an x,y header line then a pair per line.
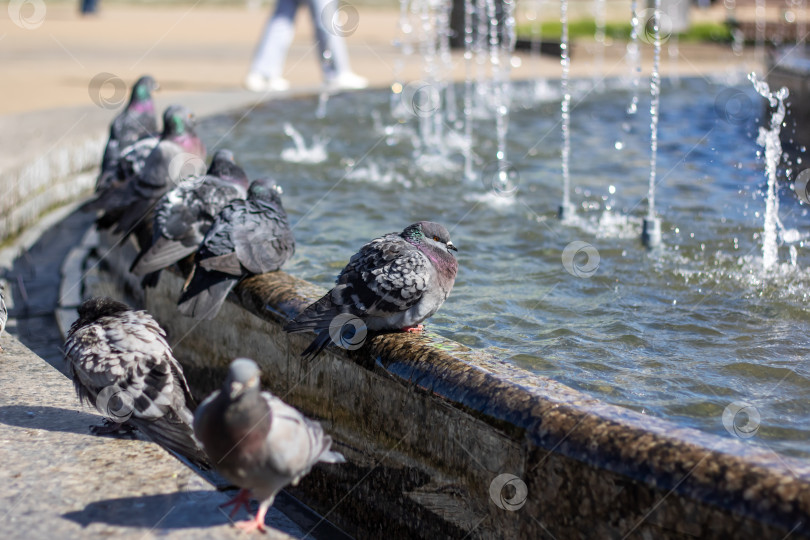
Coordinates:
x,y
414,329
242,499
256,523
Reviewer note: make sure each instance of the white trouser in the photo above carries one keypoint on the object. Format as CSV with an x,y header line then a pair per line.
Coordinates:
x,y
268,60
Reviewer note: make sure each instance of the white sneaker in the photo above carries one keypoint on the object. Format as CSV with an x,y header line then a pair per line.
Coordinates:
x,y
256,82
278,85
348,81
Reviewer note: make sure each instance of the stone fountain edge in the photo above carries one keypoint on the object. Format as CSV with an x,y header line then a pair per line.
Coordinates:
x,y
427,424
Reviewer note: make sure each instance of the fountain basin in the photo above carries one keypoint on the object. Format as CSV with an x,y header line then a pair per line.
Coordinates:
x,y
429,425
681,333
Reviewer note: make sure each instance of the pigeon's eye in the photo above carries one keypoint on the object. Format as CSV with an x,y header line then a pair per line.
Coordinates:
x,y
435,238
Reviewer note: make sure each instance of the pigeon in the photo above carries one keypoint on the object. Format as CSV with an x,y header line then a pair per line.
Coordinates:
x,y
128,165
184,215
3,310
135,122
249,236
258,442
393,283
121,364
126,205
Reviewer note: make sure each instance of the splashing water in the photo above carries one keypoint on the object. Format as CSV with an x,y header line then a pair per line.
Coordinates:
x,y
501,68
468,89
634,58
655,93
565,114
769,139
301,153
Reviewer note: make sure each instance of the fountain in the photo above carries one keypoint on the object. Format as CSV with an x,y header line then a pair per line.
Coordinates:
x,y
566,210
651,231
769,139
300,152
539,346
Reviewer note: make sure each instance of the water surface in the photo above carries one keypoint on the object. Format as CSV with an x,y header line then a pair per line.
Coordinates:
x,y
681,333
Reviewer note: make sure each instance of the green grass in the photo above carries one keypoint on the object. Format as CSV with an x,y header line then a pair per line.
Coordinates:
x,y
705,32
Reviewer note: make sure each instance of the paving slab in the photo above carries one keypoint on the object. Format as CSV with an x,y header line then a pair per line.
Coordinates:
x,y
62,482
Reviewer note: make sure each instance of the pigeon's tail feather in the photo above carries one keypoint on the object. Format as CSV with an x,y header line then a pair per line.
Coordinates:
x,y
134,215
92,205
162,254
316,318
205,294
174,434
151,280
318,345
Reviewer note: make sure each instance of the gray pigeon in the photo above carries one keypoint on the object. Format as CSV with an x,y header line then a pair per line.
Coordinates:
x,y
129,204
3,310
184,215
257,441
393,283
121,364
249,236
129,164
135,122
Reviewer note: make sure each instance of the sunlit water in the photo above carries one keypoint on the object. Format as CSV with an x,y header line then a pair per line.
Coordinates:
x,y
679,333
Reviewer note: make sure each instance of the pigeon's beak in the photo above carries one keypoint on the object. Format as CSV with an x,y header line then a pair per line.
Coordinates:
x,y
451,247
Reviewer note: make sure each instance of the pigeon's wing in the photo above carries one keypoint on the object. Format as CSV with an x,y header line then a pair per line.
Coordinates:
x,y
161,254
388,275
295,443
206,289
206,292
123,365
263,240
176,231
113,186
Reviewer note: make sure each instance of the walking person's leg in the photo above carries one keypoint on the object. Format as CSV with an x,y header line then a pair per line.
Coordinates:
x,y
267,66
334,56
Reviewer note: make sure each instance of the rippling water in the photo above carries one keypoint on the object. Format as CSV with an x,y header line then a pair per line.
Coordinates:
x,y
681,333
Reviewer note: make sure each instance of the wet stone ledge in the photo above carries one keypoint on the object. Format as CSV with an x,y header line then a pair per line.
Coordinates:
x,y
428,425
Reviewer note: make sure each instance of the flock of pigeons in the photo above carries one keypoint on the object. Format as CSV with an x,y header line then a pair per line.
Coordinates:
x,y
119,358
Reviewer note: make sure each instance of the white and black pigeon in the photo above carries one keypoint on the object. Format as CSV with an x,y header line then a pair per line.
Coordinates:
x,y
184,215
121,364
137,121
393,283
128,166
256,441
249,236
129,204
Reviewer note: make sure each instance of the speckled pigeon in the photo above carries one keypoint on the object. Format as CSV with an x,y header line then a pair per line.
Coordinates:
x,y
128,205
184,215
256,441
393,283
121,364
135,122
128,165
249,236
